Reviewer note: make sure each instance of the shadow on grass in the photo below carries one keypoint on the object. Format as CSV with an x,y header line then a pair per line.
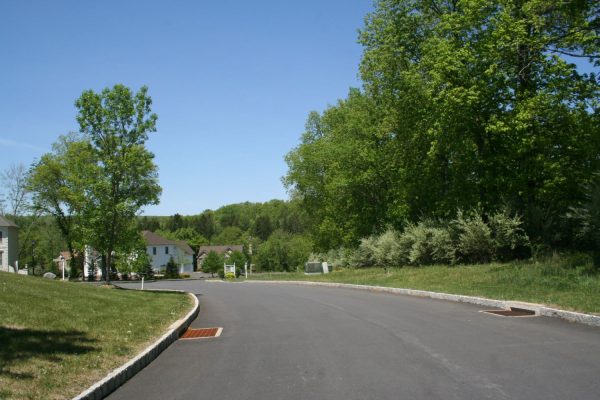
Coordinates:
x,y
24,344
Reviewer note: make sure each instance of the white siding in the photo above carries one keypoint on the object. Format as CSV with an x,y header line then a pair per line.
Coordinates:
x,y
4,246
9,245
160,260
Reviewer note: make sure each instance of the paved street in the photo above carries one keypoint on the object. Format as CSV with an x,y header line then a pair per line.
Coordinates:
x,y
301,342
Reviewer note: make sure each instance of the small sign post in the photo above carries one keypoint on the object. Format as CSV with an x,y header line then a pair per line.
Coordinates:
x,y
229,268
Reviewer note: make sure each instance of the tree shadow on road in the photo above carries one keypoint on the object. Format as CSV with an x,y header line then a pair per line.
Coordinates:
x,y
21,345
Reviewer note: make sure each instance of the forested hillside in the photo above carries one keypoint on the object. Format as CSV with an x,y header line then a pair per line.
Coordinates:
x,y
275,229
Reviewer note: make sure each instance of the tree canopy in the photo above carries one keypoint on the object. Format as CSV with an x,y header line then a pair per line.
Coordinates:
x,y
95,184
465,104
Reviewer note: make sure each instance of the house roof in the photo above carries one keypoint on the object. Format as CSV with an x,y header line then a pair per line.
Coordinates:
x,y
220,249
5,222
185,247
152,239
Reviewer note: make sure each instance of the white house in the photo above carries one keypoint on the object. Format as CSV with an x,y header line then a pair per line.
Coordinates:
x,y
161,250
9,245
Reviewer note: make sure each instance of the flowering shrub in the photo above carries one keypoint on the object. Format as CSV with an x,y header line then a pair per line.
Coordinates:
x,y
229,275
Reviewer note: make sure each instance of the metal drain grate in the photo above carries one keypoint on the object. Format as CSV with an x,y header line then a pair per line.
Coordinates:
x,y
192,333
513,312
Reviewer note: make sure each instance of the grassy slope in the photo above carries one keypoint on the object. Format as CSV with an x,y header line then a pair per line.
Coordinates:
x,y
568,283
57,338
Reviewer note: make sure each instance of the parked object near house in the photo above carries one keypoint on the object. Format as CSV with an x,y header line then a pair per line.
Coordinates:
x,y
9,245
161,249
225,250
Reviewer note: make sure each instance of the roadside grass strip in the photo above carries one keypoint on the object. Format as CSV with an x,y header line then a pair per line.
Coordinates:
x,y
58,338
557,283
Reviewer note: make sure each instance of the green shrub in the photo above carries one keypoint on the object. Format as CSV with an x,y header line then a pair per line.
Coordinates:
x,y
171,271
420,252
340,258
510,240
364,256
474,238
587,218
283,252
425,243
229,275
442,246
386,249
336,258
468,238
212,263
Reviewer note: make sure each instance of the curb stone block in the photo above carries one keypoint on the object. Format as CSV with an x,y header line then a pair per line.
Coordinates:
x,y
117,377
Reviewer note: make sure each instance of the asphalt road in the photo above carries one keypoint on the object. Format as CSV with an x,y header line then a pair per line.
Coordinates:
x,y
302,342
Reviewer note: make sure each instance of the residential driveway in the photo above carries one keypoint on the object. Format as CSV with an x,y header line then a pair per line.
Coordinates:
x,y
308,342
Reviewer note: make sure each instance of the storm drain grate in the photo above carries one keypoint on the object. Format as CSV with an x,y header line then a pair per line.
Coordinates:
x,y
193,333
513,312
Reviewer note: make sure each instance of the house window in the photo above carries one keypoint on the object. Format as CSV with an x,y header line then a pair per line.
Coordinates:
x,y
1,257
166,249
0,236
154,251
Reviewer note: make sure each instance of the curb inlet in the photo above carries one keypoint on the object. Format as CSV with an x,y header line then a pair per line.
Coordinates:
x,y
193,333
513,312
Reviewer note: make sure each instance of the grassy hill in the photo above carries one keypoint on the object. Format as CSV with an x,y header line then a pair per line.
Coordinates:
x,y
57,338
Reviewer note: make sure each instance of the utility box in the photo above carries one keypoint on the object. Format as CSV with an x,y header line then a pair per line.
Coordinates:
x,y
316,267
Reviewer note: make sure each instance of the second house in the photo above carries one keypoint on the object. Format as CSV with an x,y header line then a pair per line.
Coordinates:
x,y
161,250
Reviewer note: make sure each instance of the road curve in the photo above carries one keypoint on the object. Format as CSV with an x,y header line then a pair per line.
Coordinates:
x,y
307,342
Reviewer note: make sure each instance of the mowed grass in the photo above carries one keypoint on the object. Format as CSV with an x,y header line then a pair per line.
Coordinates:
x,y
58,338
569,283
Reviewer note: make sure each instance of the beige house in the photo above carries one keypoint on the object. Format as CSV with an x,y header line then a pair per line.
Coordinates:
x,y
225,250
9,245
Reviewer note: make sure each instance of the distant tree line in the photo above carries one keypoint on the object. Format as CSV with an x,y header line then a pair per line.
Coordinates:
x,y
273,233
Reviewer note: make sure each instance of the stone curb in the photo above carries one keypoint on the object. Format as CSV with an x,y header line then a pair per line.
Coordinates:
x,y
539,309
120,375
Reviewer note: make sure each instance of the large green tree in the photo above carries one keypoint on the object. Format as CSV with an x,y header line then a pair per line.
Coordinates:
x,y
283,252
117,122
484,106
59,182
212,263
465,104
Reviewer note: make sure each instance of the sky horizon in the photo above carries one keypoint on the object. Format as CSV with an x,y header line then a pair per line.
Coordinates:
x,y
232,84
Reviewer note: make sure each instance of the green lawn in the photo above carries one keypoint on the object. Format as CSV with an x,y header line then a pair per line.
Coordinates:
x,y
57,338
567,282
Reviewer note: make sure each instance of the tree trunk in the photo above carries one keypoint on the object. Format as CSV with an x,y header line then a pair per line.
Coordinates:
x,y
104,269
108,266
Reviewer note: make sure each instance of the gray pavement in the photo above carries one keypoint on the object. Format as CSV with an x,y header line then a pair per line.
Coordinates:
x,y
308,342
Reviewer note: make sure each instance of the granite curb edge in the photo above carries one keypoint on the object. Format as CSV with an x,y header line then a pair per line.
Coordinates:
x,y
539,309
120,375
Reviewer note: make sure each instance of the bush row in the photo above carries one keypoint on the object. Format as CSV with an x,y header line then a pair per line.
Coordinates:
x,y
470,237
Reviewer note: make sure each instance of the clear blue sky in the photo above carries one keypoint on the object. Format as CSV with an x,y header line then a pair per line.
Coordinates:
x,y
232,82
